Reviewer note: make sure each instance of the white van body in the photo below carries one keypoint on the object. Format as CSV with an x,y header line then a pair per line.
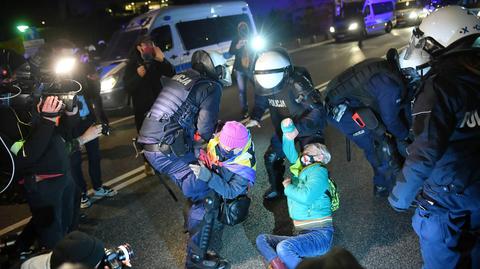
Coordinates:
x,y
379,15
354,19
179,31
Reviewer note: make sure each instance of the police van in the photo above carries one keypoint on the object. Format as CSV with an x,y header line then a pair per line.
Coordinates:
x,y
359,19
178,31
409,12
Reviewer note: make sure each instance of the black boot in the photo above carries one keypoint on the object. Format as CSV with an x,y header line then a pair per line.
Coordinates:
x,y
275,169
201,258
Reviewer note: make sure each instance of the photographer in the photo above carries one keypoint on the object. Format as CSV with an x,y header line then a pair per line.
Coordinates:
x,y
32,134
145,67
76,250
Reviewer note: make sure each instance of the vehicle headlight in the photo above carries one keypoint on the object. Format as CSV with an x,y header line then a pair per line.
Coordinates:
x,y
258,43
64,65
107,84
478,14
332,29
353,26
413,15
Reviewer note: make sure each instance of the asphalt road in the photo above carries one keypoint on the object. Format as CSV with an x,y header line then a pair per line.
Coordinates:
x,y
144,215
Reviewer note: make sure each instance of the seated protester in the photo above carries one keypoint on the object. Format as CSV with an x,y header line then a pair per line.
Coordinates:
x,y
228,167
75,248
309,205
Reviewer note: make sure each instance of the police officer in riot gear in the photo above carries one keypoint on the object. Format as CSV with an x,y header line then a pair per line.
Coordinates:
x,y
182,119
441,172
369,103
288,92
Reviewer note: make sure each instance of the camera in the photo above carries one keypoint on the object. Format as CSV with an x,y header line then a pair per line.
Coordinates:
x,y
106,129
115,258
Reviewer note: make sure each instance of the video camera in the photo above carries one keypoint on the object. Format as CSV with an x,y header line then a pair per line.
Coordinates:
x,y
27,87
118,257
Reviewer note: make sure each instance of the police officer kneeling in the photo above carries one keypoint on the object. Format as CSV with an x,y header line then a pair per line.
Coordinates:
x,y
442,167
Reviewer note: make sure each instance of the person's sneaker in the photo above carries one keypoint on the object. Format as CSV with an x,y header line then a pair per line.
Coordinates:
x,y
380,191
245,115
104,192
85,201
271,194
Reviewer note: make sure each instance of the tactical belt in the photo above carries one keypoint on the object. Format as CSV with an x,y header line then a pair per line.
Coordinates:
x,y
161,147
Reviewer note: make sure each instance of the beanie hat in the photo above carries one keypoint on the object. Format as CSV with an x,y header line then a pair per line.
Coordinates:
x,y
234,135
77,247
319,151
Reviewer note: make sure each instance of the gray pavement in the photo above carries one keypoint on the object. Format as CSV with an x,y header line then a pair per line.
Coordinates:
x,y
145,215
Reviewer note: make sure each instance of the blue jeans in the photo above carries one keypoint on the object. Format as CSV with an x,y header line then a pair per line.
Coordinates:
x,y
292,249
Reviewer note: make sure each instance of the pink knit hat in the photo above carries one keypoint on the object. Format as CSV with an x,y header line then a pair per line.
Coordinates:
x,y
234,135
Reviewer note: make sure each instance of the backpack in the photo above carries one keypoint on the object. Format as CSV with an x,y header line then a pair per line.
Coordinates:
x,y
332,193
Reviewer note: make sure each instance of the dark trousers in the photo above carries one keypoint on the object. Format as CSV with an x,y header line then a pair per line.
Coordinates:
x,y
274,163
180,173
93,153
242,80
51,203
447,239
384,174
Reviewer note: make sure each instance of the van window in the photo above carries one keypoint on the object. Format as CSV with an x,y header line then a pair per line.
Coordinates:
x,y
380,8
162,37
367,11
121,44
406,5
206,32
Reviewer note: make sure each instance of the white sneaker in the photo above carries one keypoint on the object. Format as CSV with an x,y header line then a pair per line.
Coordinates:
x,y
85,201
104,192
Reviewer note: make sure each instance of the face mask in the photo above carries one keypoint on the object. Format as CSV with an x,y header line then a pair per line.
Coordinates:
x,y
224,154
307,160
148,53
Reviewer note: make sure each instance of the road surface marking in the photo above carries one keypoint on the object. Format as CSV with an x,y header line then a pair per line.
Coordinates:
x,y
120,178
112,181
121,120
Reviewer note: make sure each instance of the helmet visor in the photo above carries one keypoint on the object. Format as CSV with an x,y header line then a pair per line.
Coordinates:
x,y
419,41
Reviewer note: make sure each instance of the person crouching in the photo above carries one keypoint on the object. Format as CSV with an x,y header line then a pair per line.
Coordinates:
x,y
229,168
309,205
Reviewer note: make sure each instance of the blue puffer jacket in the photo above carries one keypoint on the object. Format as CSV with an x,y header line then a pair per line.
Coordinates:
x,y
307,195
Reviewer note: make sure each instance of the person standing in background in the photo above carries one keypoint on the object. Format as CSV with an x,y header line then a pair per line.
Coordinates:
x,y
243,59
145,67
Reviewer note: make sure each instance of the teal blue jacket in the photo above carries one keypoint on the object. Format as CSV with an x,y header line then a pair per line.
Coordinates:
x,y
306,195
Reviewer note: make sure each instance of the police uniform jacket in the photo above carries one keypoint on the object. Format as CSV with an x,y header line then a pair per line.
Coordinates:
x,y
445,156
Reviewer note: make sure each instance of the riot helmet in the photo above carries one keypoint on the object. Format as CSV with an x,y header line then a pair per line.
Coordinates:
x,y
441,30
271,69
416,65
213,65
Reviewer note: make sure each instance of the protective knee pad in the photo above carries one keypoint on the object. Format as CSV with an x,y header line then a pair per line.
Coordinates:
x,y
274,164
205,229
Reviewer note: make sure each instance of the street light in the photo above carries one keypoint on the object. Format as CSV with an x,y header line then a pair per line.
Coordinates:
x,y
22,28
